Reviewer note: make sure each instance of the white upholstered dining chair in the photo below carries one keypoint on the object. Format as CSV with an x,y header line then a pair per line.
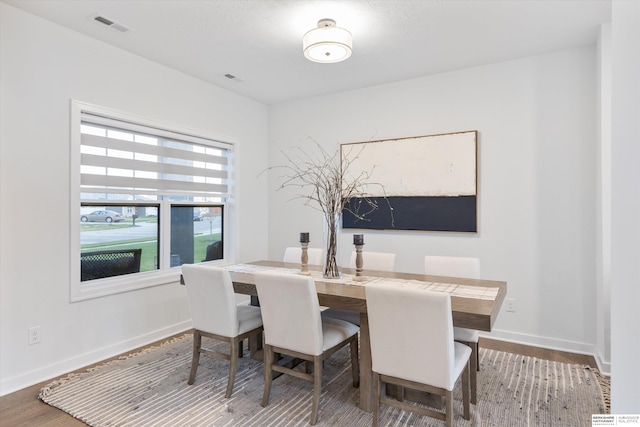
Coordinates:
x,y
434,363
293,327
216,314
468,267
293,254
381,261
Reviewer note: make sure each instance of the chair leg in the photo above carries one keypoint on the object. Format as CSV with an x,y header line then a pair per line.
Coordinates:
x,y
233,365
376,398
195,359
268,361
355,364
466,374
317,388
475,367
448,410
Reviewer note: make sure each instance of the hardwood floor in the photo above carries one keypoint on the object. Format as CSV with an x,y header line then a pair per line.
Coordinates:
x,y
540,353
23,408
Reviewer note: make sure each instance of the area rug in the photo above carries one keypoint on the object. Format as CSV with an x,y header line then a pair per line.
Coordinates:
x,y
149,388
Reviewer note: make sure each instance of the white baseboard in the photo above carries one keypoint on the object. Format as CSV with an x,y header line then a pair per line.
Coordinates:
x,y
603,366
45,373
552,344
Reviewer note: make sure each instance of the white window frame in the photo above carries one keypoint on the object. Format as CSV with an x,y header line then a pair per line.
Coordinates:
x,y
79,290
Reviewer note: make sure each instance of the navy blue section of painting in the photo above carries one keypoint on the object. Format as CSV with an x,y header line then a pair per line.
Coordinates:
x,y
417,213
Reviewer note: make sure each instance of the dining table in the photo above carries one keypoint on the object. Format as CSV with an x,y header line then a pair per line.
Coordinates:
x,y
475,303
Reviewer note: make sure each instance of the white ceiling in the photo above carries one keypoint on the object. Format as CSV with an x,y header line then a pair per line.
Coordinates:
x,y
260,41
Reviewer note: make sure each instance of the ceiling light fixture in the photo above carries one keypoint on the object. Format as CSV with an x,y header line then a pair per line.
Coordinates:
x,y
327,43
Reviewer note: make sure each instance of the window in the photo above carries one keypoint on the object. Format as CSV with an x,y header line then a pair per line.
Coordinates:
x,y
147,199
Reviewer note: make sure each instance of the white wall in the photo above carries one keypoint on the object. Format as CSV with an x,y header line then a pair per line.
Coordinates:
x,y
43,66
536,119
625,208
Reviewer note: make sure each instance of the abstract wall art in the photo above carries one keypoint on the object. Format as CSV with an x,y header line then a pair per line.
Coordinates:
x,y
430,182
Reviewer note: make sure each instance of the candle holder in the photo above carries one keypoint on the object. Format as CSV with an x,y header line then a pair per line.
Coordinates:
x,y
304,258
359,261
358,242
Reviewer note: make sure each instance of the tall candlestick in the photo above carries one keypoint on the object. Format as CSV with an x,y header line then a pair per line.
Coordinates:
x,y
358,241
304,259
359,261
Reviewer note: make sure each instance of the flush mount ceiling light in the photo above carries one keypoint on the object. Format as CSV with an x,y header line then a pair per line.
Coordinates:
x,y
327,43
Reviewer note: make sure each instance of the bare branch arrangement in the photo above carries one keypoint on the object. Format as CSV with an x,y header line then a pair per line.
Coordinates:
x,y
325,185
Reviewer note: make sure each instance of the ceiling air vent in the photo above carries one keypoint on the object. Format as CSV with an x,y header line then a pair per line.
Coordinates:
x,y
233,78
111,24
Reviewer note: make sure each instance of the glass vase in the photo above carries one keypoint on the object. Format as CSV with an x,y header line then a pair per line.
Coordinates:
x,y
332,228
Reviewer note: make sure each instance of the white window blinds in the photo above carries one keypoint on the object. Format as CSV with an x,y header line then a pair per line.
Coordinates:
x,y
125,158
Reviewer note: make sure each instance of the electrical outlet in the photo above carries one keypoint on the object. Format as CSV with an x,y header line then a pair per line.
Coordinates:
x,y
511,305
35,335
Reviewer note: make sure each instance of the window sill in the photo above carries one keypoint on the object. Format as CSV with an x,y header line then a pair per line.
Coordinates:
x,y
115,285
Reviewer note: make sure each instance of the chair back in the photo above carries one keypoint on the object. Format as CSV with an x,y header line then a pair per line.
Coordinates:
x,y
452,266
401,315
293,254
381,261
290,311
212,299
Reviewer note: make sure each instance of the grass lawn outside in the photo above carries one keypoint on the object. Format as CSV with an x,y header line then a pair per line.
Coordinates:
x,y
149,246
